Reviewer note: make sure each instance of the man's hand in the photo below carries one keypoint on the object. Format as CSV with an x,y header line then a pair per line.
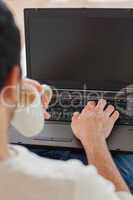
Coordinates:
x,y
94,121
45,99
92,127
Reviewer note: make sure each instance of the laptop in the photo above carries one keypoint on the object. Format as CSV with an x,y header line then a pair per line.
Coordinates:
x,y
84,54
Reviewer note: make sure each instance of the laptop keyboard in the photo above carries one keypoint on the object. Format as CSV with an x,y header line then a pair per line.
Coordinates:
x,y
65,103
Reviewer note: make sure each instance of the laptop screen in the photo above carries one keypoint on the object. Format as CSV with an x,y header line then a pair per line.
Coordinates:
x,y
72,47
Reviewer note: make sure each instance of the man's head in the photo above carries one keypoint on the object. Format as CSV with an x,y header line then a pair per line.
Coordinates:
x,y
10,46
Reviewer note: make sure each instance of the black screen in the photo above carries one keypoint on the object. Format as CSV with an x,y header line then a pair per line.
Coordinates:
x,y
70,48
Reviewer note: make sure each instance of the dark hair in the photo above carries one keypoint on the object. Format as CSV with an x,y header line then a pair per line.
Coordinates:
x,y
10,44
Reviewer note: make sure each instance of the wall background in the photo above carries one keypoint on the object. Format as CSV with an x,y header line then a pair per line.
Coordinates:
x,y
17,6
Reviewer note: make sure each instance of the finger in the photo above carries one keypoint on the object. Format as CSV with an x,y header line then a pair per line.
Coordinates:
x,y
75,116
101,105
90,106
115,116
33,83
109,110
45,101
46,96
47,115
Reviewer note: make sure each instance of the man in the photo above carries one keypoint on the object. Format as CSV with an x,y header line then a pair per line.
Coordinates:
x,y
25,176
124,161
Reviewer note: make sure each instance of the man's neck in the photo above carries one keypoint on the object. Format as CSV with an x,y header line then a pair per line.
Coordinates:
x,y
4,120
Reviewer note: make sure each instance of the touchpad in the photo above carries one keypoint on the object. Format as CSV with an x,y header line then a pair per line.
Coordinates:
x,y
56,132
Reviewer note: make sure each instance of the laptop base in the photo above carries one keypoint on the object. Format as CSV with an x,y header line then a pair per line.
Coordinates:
x,y
60,135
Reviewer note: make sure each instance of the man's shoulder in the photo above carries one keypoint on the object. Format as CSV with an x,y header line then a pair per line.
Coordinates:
x,y
44,176
27,159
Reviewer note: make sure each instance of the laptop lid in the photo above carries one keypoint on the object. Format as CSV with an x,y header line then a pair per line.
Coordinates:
x,y
68,48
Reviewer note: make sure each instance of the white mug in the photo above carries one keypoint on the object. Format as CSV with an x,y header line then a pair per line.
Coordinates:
x,y
29,117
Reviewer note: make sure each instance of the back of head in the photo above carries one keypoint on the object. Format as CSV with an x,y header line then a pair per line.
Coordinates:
x,y
10,44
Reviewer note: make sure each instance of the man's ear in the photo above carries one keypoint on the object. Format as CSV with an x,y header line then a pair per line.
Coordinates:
x,y
12,80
